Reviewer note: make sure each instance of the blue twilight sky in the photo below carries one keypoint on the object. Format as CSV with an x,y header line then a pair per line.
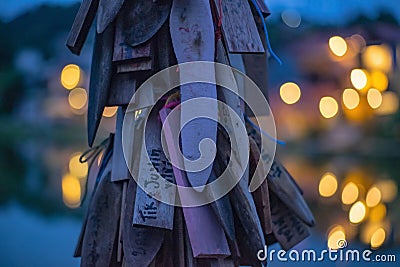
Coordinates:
x,y
320,11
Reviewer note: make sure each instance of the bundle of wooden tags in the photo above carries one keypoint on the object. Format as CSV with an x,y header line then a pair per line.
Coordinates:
x,y
124,224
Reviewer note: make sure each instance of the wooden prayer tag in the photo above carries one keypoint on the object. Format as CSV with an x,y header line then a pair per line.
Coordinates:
x,y
153,176
207,238
81,26
288,229
238,26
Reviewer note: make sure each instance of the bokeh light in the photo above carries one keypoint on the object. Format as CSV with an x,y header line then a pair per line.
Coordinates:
x,y
335,236
77,98
374,196
357,212
350,193
291,18
71,190
377,238
328,107
70,76
374,98
390,104
290,93
76,168
379,80
359,78
377,57
388,189
351,98
110,112
338,46
377,213
328,185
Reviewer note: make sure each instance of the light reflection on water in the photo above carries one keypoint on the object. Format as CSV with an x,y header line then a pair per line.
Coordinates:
x,y
37,229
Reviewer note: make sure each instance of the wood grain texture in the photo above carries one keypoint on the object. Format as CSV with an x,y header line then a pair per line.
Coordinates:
x,y
81,25
261,195
143,19
140,243
100,80
256,65
102,225
288,229
142,65
153,176
207,238
123,86
192,33
239,29
107,13
263,7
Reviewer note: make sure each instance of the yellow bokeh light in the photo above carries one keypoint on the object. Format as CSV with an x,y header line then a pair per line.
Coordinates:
x,y
357,212
374,196
351,98
77,98
359,78
328,185
390,104
388,189
374,98
71,190
336,235
350,193
338,45
377,213
367,230
377,57
77,168
290,93
109,111
378,237
70,76
328,107
379,80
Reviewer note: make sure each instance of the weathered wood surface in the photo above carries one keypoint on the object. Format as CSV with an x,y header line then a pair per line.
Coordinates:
x,y
153,176
206,235
123,86
120,169
100,79
192,33
144,18
261,195
288,229
282,185
143,65
238,26
140,243
102,225
241,199
107,13
256,65
81,25
123,51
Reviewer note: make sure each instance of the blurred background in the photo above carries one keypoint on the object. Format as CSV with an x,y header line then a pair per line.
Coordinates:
x,y
335,100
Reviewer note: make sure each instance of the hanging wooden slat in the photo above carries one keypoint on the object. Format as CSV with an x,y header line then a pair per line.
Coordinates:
x,y
238,26
148,210
209,243
120,171
100,80
81,26
108,11
193,40
102,225
288,229
140,244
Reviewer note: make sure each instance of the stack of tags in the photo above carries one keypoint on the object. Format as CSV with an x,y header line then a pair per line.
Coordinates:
x,y
126,223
